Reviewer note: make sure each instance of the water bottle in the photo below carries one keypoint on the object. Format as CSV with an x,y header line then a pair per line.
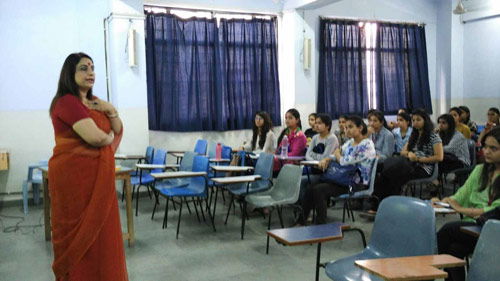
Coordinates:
x,y
218,151
284,147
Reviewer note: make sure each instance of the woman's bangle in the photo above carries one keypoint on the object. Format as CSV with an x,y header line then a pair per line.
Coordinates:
x,y
111,116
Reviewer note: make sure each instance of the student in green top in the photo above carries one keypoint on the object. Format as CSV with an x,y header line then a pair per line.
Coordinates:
x,y
479,194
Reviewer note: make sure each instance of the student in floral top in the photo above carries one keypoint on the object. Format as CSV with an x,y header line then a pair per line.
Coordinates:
x,y
296,138
416,161
358,150
479,194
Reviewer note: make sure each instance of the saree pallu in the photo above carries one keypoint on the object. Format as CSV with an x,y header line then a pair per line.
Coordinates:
x,y
86,231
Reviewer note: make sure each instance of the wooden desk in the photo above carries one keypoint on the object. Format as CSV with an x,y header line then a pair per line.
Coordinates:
x,y
309,235
121,174
473,230
180,174
151,166
220,160
290,158
178,155
309,163
411,268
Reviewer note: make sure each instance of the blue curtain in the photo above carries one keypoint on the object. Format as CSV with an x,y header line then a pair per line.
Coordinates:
x,y
248,49
401,68
204,78
183,87
342,87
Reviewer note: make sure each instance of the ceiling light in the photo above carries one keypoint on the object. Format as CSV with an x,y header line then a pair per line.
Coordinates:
x,y
459,9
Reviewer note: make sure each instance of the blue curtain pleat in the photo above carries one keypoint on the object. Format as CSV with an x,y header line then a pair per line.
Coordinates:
x,y
341,80
205,78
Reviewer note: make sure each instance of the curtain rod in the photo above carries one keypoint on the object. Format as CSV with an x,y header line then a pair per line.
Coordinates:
x,y
376,21
211,10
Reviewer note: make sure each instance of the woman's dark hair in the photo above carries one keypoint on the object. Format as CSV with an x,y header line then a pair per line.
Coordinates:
x,y
268,124
358,121
405,110
343,116
447,135
379,115
494,109
295,113
457,110
326,119
67,83
313,114
466,110
489,168
416,138
406,117
495,189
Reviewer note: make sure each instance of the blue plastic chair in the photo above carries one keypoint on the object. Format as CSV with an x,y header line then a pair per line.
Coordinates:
x,y
413,183
264,168
148,159
145,179
367,193
463,172
34,180
484,265
201,147
196,189
404,226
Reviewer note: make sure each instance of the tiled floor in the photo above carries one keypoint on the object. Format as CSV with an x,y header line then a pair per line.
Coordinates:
x,y
198,254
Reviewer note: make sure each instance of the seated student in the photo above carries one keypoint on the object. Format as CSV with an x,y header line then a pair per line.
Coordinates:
x,y
294,135
459,126
493,121
455,147
340,132
393,125
403,132
479,194
465,118
360,150
263,138
311,131
322,146
424,148
380,135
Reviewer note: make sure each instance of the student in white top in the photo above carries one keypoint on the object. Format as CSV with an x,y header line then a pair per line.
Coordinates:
x,y
322,146
263,138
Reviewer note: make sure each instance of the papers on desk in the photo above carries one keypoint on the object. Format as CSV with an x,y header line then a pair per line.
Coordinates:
x,y
309,162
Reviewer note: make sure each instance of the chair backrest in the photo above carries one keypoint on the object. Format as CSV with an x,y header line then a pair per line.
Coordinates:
x,y
187,161
264,168
159,157
226,152
435,172
211,147
287,185
242,155
404,226
149,154
472,152
484,265
201,147
200,164
373,176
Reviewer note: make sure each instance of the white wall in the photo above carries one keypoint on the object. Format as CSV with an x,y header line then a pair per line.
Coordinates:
x,y
38,36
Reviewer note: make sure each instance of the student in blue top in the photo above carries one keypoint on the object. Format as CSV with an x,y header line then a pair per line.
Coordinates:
x,y
403,131
380,135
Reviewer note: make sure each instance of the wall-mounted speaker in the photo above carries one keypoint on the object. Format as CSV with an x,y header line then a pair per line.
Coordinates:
x,y
306,53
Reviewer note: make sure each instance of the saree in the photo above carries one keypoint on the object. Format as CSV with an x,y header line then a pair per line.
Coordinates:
x,y
86,231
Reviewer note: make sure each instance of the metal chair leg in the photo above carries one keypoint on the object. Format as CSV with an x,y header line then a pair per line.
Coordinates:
x,y
268,228
179,221
165,218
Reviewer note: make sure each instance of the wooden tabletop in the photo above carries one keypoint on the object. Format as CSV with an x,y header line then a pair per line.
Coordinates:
x,y
473,230
231,168
181,174
309,234
410,268
240,179
126,157
177,154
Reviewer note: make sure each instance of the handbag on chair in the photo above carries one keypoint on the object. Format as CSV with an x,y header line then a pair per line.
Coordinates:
x,y
340,174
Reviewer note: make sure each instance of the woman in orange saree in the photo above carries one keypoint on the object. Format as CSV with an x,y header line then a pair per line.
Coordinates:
x,y
86,230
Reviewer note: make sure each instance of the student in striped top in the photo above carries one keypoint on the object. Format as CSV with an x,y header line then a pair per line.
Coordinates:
x,y
416,161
